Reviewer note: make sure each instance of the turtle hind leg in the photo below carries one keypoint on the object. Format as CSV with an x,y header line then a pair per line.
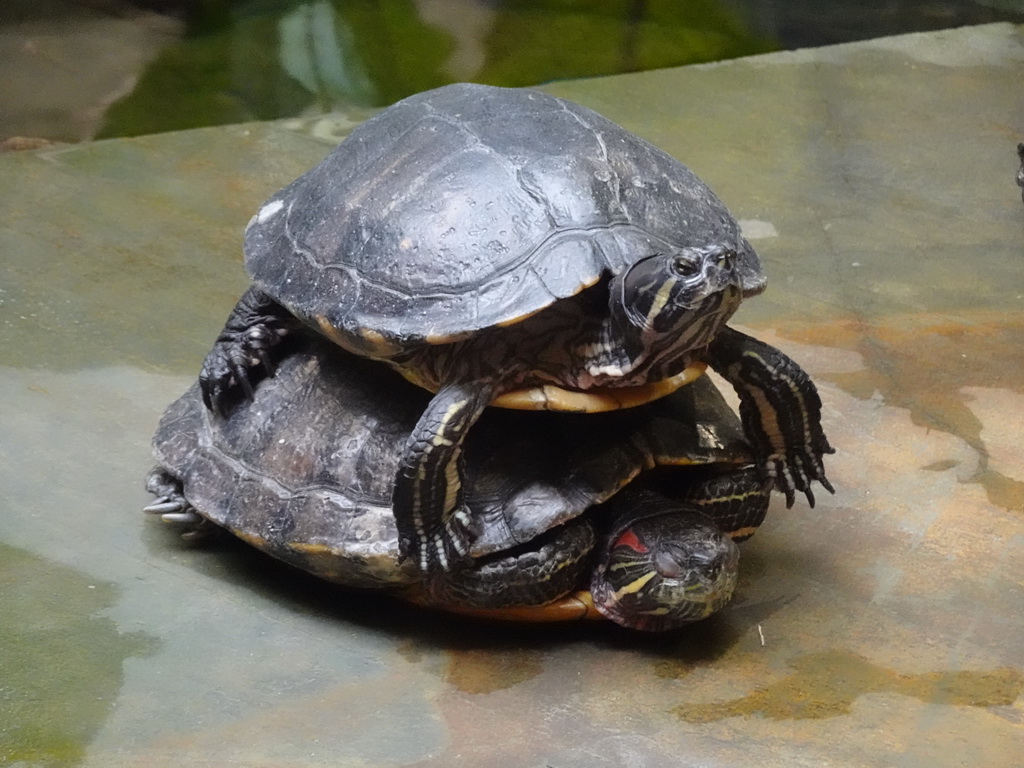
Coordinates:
x,y
255,325
780,409
173,508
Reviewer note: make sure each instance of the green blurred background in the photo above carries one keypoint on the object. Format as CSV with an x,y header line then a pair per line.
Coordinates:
x,y
80,69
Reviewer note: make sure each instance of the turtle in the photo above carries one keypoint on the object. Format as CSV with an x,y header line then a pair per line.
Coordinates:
x,y
508,247
630,515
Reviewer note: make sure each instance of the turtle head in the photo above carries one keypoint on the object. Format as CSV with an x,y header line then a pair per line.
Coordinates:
x,y
670,304
665,570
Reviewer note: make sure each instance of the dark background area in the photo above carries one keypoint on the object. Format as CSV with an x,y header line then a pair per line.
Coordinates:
x,y
82,69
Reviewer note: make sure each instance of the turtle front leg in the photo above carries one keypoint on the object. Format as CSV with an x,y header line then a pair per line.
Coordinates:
x,y
780,409
255,325
433,522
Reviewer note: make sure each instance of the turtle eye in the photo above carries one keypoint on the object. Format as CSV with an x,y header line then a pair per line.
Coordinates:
x,y
684,267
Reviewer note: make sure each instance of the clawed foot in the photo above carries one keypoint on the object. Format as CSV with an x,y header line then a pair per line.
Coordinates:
x,y
795,471
781,412
232,362
172,507
242,351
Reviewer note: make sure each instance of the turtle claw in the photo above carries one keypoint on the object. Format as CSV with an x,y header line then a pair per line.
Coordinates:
x,y
231,363
182,518
170,502
173,508
796,472
163,507
781,413
241,353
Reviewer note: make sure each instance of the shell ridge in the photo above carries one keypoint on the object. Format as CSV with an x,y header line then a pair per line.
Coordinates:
x,y
298,247
521,263
590,127
528,183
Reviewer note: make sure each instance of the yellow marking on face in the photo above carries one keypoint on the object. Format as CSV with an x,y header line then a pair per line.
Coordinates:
x,y
634,586
660,300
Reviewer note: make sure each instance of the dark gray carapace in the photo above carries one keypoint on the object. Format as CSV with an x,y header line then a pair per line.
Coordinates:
x,y
472,206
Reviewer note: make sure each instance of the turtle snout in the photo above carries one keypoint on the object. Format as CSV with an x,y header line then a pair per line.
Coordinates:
x,y
721,264
709,270
685,560
723,257
670,561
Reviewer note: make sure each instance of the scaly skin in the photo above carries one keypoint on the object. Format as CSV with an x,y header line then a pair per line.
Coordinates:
x,y
780,410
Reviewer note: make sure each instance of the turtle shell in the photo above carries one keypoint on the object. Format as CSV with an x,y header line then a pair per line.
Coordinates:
x,y
469,207
305,470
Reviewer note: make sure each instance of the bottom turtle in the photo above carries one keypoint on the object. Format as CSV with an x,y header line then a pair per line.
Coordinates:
x,y
631,515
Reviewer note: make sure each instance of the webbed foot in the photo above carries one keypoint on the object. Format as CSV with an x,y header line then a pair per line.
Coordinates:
x,y
780,410
255,325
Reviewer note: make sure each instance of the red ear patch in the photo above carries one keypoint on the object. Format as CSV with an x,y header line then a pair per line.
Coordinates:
x,y
629,539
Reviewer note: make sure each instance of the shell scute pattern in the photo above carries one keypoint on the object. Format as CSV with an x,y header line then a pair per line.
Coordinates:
x,y
420,220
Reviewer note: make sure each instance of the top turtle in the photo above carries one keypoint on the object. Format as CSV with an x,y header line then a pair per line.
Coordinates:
x,y
487,241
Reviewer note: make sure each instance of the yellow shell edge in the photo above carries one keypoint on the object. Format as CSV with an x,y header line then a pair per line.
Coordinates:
x,y
552,398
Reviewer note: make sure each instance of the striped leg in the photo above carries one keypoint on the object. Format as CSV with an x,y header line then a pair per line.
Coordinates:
x,y
736,499
432,520
780,410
